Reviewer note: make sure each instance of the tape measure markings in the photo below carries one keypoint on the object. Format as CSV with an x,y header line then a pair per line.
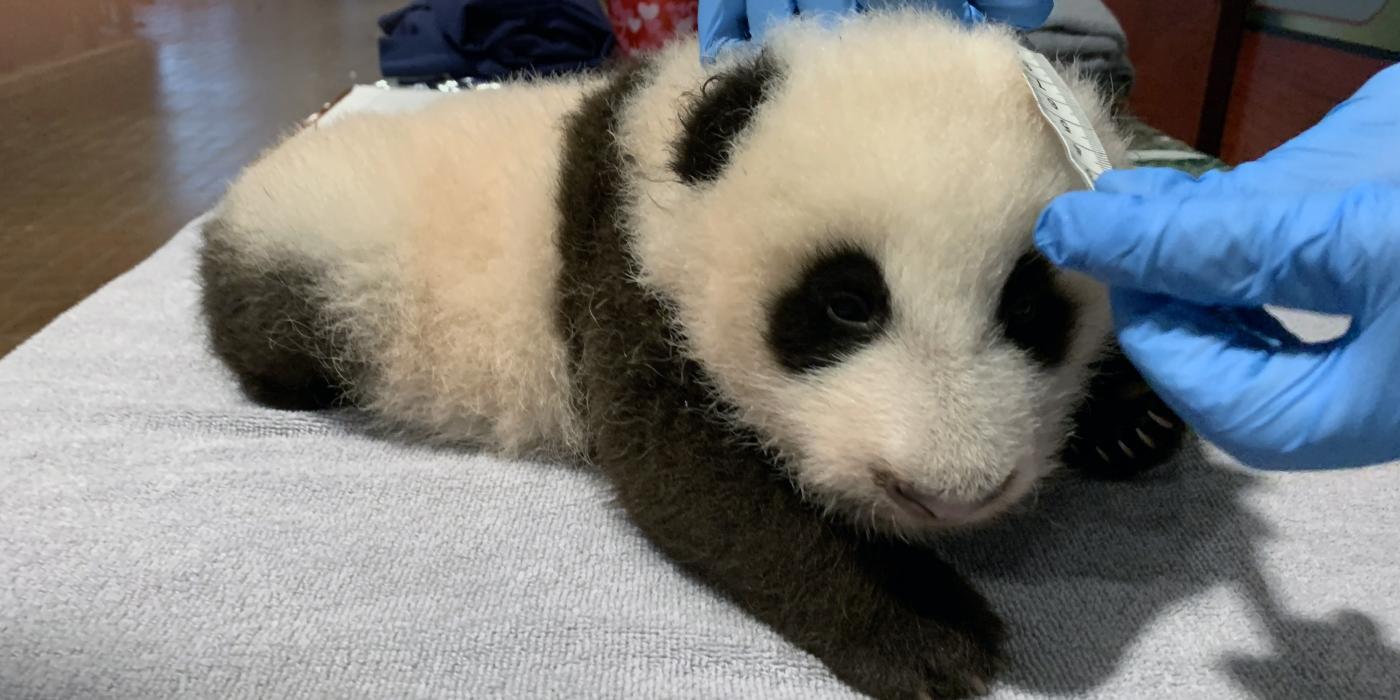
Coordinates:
x,y
1066,116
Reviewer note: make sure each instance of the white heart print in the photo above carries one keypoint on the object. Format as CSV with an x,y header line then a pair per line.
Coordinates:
x,y
634,24
648,10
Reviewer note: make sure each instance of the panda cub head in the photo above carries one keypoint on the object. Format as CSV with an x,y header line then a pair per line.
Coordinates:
x,y
841,226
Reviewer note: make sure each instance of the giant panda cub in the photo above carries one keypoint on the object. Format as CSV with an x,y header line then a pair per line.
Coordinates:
x,y
788,305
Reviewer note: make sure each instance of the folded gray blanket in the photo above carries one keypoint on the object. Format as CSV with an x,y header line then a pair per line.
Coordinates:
x,y
1082,32
160,537
1086,33
1089,20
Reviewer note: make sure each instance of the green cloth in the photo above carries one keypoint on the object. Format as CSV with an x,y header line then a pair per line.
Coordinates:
x,y
1148,147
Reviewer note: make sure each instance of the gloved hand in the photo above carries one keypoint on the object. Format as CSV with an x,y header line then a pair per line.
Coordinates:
x,y
1313,225
727,23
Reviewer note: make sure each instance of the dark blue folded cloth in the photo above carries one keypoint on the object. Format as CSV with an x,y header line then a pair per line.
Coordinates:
x,y
492,39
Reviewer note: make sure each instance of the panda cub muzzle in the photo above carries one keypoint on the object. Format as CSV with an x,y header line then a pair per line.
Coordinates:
x,y
841,305
940,510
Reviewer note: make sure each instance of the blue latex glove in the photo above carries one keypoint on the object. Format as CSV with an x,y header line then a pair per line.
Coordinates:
x,y
1313,225
725,24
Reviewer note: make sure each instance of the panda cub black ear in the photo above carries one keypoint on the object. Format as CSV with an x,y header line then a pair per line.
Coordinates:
x,y
726,106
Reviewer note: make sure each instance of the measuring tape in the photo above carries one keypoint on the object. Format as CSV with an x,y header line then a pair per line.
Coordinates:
x,y
1066,116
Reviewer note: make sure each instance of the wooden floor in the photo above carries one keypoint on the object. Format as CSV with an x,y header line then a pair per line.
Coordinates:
x,y
129,119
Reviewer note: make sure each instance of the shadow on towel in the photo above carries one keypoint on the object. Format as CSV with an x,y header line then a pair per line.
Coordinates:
x,y
1083,572
1087,566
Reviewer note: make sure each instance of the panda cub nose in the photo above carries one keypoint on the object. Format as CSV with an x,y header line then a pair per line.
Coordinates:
x,y
922,504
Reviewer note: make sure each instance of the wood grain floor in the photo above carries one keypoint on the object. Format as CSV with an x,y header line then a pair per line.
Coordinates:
x,y
107,151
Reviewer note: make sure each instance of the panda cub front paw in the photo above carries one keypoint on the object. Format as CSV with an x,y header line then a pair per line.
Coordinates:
x,y
1123,429
920,658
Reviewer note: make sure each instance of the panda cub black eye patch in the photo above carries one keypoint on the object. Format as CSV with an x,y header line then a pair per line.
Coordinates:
x,y
839,305
1034,314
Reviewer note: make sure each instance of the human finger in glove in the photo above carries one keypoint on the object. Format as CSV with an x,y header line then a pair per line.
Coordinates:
x,y
1313,225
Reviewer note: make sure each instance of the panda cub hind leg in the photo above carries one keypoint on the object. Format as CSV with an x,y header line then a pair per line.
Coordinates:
x,y
265,324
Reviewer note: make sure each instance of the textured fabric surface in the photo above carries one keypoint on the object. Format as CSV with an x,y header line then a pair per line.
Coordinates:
x,y
1083,32
1086,33
1150,148
492,39
160,537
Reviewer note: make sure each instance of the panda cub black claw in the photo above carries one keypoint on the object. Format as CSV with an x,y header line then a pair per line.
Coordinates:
x,y
971,671
948,683
1123,429
910,643
926,660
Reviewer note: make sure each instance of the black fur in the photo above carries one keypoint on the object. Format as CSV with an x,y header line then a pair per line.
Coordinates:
x,y
890,619
265,326
727,104
812,325
1123,428
1034,314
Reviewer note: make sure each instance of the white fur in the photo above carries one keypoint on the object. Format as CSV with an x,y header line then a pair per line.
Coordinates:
x,y
920,141
439,229
910,136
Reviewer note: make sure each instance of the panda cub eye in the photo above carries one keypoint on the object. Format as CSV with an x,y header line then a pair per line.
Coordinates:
x,y
849,309
839,305
1033,313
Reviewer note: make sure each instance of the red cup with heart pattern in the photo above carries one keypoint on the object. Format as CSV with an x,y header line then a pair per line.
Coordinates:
x,y
647,25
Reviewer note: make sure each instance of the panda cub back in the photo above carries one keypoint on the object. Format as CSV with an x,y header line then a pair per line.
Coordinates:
x,y
405,264
837,229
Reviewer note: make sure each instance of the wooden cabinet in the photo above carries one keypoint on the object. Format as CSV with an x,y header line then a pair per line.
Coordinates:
x,y
1235,80
1283,85
1178,49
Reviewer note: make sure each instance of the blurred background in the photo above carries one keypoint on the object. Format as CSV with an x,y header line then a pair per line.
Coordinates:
x,y
121,120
